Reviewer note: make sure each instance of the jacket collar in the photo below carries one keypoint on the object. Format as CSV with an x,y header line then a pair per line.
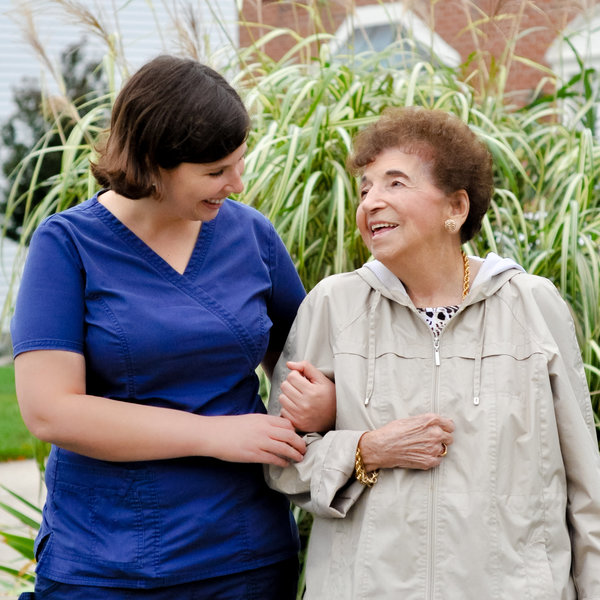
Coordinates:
x,y
493,274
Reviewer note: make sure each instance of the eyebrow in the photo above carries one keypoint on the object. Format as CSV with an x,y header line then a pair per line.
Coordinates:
x,y
396,173
389,173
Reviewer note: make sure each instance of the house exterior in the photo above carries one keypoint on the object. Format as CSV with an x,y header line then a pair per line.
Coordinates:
x,y
145,28
491,26
142,28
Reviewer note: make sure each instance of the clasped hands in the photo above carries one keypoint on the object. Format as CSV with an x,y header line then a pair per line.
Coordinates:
x,y
308,403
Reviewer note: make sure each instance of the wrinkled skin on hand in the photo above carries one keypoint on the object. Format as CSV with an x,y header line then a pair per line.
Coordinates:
x,y
410,443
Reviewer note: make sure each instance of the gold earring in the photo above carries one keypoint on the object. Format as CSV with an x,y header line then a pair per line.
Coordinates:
x,y
450,225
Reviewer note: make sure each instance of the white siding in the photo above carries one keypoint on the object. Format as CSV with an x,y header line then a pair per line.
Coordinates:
x,y
583,34
8,256
146,29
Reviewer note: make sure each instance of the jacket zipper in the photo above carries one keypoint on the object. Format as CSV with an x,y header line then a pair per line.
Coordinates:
x,y
436,351
429,592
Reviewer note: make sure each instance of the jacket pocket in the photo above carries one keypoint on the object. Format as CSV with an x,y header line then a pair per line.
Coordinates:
x,y
540,584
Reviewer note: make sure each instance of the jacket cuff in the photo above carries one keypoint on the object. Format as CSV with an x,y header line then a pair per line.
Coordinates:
x,y
334,490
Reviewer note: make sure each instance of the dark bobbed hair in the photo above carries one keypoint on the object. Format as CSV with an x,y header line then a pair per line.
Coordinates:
x,y
457,158
172,110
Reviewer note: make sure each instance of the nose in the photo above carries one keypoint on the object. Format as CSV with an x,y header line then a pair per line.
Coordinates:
x,y
234,183
372,199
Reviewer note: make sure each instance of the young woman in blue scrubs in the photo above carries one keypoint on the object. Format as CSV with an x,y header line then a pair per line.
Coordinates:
x,y
142,315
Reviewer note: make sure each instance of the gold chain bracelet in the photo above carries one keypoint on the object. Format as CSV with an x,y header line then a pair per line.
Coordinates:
x,y
368,479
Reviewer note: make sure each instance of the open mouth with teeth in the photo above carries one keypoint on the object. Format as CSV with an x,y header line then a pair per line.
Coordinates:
x,y
215,202
380,228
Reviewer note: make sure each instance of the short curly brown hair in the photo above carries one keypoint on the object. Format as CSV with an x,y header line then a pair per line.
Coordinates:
x,y
458,159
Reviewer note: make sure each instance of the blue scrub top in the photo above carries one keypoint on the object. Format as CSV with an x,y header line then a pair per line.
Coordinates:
x,y
151,335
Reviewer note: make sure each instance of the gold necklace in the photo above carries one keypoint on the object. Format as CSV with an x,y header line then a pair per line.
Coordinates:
x,y
466,278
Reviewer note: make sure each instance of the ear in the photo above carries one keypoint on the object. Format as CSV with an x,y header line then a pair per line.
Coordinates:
x,y
458,207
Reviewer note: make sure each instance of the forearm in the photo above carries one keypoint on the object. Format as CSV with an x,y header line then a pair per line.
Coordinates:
x,y
121,431
51,393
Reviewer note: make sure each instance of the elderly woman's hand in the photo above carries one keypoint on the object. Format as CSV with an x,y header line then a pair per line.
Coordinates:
x,y
418,442
308,398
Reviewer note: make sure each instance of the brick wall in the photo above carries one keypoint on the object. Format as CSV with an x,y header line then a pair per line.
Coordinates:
x,y
528,26
260,16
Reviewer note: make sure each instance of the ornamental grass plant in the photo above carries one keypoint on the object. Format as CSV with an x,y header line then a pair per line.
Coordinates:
x,y
306,107
545,212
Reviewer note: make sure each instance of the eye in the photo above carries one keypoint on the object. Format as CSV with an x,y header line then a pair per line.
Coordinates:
x,y
217,173
397,183
364,189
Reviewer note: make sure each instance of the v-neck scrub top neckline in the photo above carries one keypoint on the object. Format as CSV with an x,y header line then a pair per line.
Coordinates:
x,y
151,335
195,262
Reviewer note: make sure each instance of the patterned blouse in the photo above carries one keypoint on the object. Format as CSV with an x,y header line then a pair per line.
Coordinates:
x,y
437,317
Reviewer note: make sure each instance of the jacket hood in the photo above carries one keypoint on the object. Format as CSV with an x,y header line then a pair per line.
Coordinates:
x,y
494,272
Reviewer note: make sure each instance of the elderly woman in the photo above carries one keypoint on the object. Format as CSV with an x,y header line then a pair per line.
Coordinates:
x,y
464,461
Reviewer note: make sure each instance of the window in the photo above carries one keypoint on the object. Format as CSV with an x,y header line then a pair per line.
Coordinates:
x,y
380,26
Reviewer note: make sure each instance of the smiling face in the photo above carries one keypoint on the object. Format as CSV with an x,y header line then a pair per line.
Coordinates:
x,y
401,212
196,191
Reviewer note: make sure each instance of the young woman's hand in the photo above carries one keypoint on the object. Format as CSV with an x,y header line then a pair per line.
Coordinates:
x,y
256,438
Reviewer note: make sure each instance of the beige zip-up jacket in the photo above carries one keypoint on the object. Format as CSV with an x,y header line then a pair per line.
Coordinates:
x,y
513,511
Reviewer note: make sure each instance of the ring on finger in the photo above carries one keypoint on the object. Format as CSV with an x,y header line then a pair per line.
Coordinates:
x,y
444,450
